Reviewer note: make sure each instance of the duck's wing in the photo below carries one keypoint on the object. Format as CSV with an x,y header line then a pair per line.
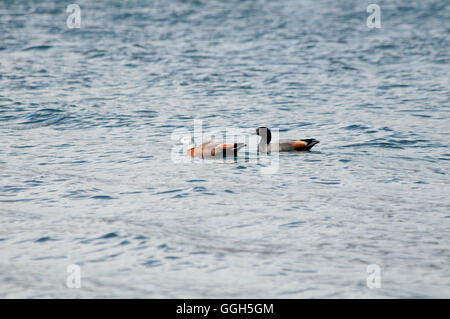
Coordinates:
x,y
201,150
228,149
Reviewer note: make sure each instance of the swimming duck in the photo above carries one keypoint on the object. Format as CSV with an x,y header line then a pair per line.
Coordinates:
x,y
211,148
282,145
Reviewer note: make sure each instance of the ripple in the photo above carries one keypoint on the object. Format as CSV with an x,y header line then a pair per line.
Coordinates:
x,y
293,224
169,191
44,239
41,118
102,197
38,48
109,235
152,263
355,127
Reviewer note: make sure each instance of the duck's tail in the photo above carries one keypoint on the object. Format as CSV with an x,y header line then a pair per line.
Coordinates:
x,y
310,142
231,149
238,146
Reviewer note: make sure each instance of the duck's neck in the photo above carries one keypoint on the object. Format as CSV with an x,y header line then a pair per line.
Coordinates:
x,y
263,146
266,137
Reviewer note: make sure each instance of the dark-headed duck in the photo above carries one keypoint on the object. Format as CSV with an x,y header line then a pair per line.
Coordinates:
x,y
266,144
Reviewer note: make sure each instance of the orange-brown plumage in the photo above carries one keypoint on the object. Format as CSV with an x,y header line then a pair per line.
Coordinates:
x,y
299,144
215,149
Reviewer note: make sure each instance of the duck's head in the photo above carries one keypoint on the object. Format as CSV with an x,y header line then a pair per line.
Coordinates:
x,y
186,141
265,134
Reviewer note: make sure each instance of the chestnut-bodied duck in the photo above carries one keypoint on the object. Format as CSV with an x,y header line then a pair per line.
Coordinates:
x,y
211,148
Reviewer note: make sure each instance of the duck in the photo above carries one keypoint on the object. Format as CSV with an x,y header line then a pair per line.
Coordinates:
x,y
282,145
211,148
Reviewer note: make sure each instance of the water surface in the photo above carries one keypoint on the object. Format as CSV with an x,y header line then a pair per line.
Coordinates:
x,y
87,177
